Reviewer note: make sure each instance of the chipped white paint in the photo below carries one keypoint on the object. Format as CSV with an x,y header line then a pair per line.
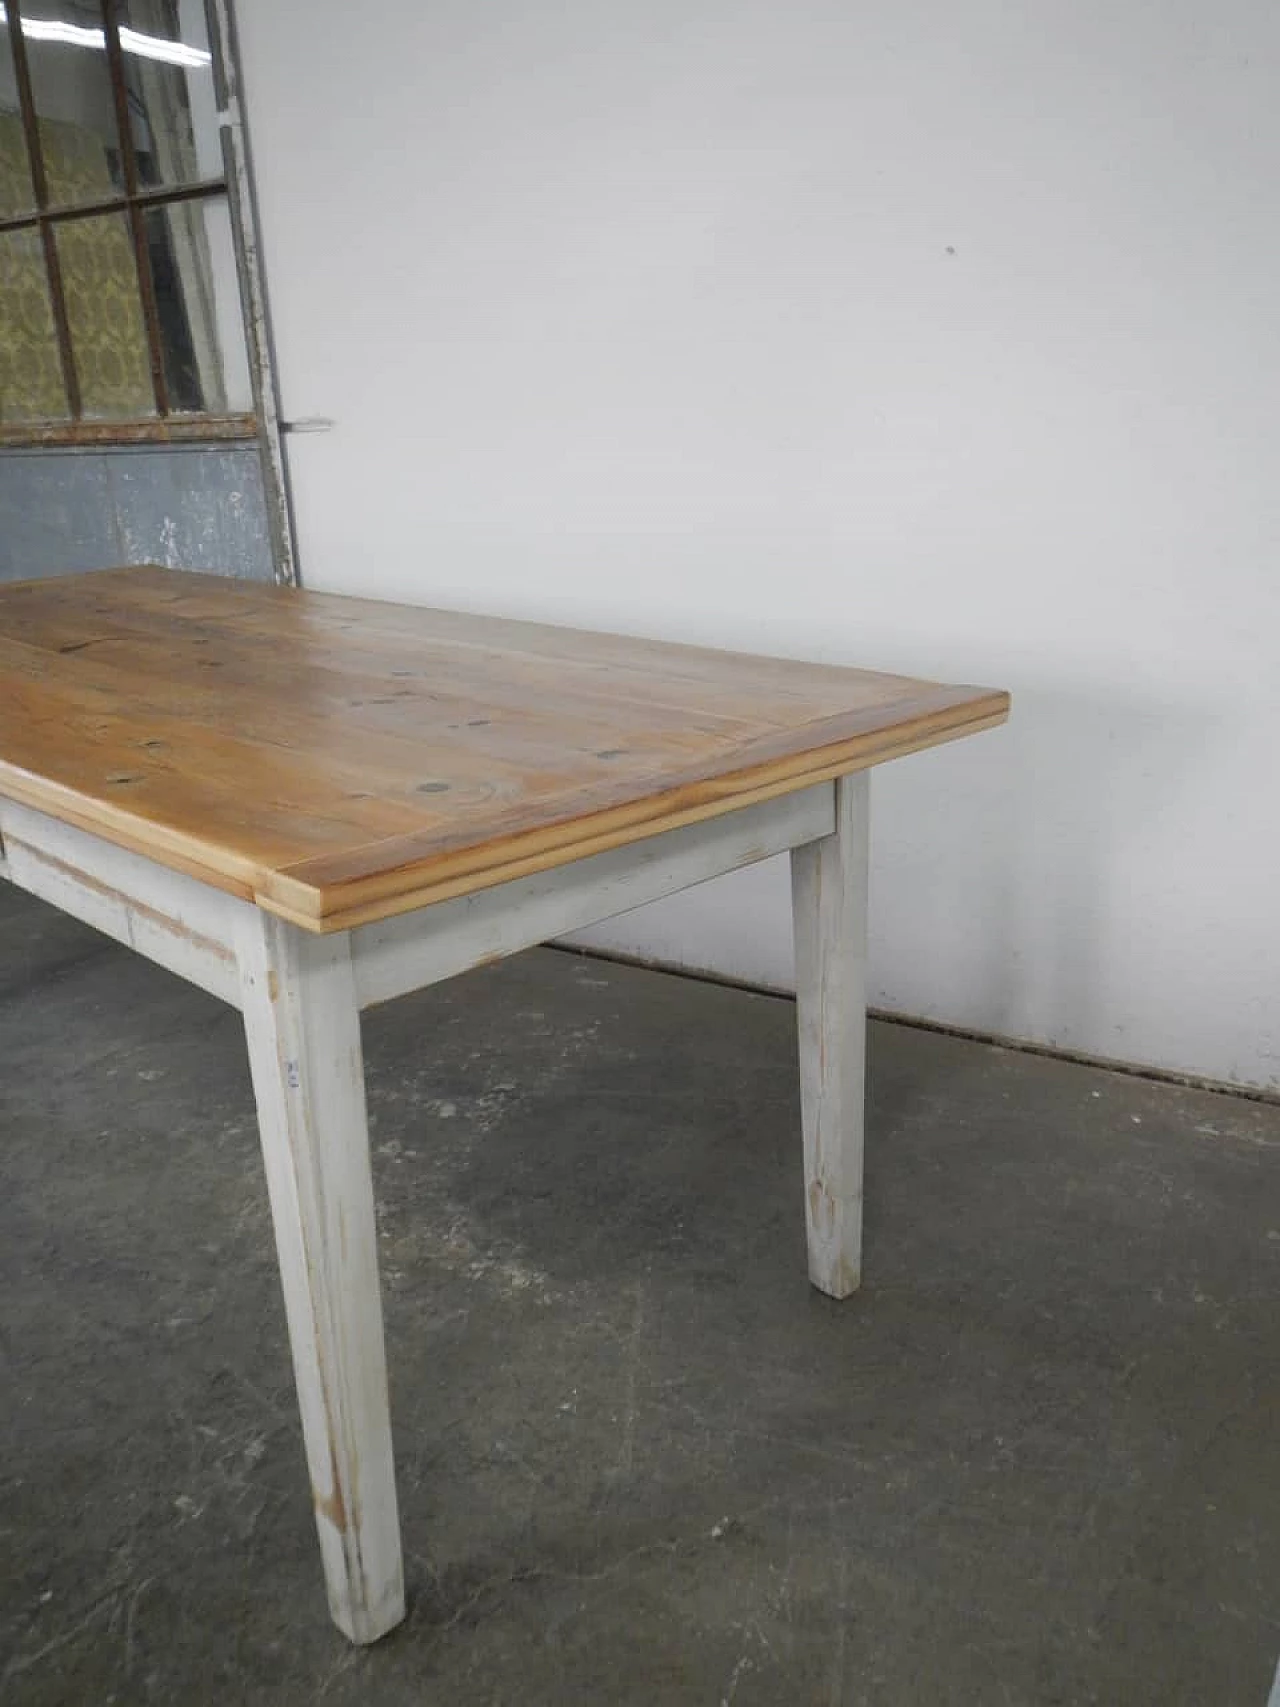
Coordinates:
x,y
303,1031
172,919
396,955
301,996
91,508
829,902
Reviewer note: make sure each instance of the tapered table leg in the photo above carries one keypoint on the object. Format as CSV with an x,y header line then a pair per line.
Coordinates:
x,y
829,906
303,1029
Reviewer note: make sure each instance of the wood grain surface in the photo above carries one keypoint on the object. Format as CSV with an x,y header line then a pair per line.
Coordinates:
x,y
340,760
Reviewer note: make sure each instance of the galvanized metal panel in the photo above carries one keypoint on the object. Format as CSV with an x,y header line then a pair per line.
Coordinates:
x,y
187,506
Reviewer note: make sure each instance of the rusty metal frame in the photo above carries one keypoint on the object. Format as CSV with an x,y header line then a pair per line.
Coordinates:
x,y
172,429
161,195
133,202
263,425
253,296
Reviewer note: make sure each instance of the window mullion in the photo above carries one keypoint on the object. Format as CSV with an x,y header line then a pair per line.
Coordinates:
x,y
164,196
135,214
40,188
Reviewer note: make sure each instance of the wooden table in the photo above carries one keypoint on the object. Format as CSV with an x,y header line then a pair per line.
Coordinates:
x,y
308,804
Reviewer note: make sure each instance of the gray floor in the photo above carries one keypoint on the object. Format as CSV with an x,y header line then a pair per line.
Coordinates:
x,y
1035,1460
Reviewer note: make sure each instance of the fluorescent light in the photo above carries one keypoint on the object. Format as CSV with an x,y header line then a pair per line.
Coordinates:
x,y
131,41
156,47
51,29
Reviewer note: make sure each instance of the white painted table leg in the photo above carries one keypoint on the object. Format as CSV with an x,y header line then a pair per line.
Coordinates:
x,y
303,1031
829,907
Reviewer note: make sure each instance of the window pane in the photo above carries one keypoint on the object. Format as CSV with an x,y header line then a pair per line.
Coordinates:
x,y
66,51
15,175
193,262
108,338
30,373
169,71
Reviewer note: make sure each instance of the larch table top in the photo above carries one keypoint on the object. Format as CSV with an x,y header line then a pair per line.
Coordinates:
x,y
339,760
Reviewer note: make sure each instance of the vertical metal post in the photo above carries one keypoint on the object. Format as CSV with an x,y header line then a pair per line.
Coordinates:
x,y
244,227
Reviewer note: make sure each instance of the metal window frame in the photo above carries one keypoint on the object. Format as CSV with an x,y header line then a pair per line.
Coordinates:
x,y
237,167
134,202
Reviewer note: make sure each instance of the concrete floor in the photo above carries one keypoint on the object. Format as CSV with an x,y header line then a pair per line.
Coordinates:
x,y
1034,1461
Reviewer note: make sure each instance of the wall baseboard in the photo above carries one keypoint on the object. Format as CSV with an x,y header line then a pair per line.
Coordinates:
x,y
1133,1069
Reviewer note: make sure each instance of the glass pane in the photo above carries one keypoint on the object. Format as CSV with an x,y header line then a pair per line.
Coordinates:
x,y
169,71
66,51
108,338
15,175
30,373
193,262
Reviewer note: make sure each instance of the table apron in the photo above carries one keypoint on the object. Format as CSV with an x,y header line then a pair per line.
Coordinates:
x,y
394,956
182,924
190,928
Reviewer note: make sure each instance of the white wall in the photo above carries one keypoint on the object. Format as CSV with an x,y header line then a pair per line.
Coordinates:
x,y
935,335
